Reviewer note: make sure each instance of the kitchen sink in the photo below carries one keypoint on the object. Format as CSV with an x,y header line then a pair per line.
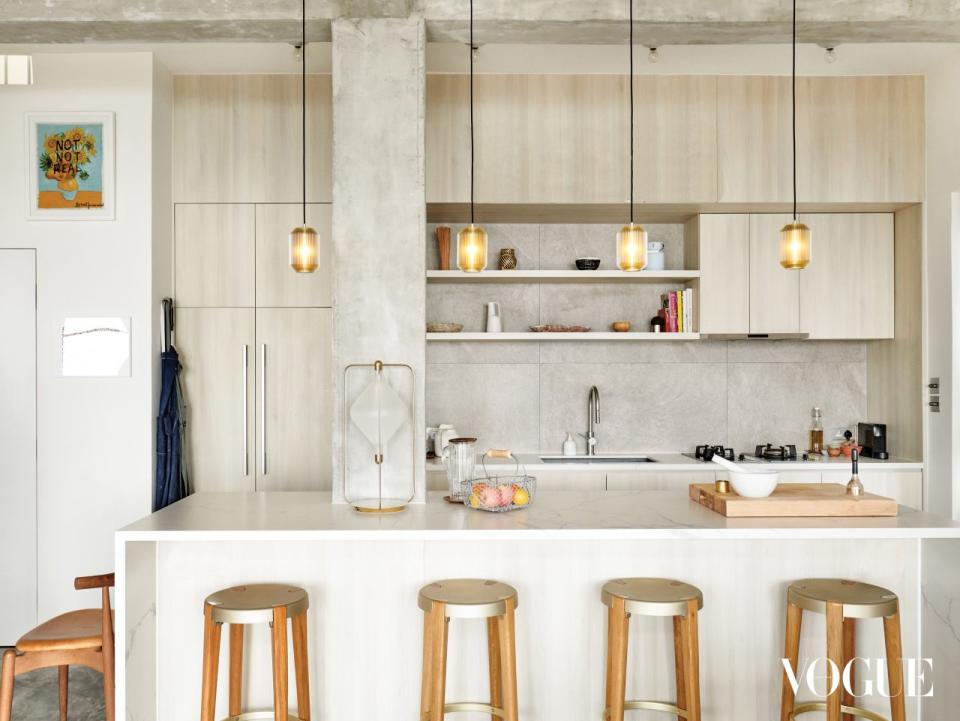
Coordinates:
x,y
597,459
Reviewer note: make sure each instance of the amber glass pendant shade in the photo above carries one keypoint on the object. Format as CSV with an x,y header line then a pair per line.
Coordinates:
x,y
303,249
632,248
795,246
472,249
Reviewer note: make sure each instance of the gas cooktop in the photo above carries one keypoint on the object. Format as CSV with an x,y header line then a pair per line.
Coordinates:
x,y
767,453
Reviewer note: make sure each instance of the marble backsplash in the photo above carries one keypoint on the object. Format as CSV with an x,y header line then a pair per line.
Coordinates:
x,y
655,396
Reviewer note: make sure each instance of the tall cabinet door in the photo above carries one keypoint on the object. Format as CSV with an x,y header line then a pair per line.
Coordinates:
x,y
294,399
218,357
774,290
214,255
278,286
725,273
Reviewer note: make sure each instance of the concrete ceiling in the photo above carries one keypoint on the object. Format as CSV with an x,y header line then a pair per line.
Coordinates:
x,y
666,22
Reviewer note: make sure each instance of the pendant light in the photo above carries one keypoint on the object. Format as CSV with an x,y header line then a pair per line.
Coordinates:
x,y
472,240
794,236
303,238
632,238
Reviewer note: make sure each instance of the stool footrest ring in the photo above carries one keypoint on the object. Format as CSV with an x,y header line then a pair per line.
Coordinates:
x,y
812,706
259,716
662,706
462,706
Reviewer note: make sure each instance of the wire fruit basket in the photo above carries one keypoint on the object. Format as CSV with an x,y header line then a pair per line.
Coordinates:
x,y
499,493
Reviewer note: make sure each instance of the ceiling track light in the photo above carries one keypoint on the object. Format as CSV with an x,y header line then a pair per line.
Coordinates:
x,y
830,54
654,55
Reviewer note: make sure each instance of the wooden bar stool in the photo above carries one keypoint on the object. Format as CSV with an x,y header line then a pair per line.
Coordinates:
x,y
842,602
262,603
653,597
469,598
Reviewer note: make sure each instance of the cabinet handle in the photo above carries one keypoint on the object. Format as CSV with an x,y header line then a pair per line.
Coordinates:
x,y
263,409
244,376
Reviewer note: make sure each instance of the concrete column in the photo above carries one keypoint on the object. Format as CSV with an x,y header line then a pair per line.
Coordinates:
x,y
379,80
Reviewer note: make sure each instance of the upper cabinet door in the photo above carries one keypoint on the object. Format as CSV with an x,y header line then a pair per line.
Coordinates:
x,y
447,141
214,256
724,273
774,290
847,290
277,284
236,138
675,132
753,139
861,139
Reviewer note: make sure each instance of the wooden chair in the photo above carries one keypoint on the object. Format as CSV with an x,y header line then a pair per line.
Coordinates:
x,y
77,638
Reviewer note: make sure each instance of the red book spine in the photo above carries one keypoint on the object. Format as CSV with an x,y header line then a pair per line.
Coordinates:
x,y
674,327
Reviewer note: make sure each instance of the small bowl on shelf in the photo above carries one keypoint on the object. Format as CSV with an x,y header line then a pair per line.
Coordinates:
x,y
444,327
587,263
620,326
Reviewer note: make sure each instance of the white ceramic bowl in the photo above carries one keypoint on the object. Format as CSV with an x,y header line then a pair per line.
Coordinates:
x,y
753,485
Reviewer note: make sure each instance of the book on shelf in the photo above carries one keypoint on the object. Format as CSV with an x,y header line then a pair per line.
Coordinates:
x,y
676,310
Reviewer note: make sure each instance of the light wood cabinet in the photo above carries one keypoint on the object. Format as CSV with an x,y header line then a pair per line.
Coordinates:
x,y
906,487
656,480
217,352
847,290
237,138
277,285
774,290
724,261
294,399
214,255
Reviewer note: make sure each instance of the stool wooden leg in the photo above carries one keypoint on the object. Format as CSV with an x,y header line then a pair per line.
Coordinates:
x,y
279,636
849,653
211,661
792,654
7,677
64,686
427,674
236,667
508,655
691,670
619,623
495,663
678,661
438,659
301,665
834,654
891,636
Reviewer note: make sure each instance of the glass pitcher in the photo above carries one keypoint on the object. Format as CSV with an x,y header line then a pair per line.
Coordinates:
x,y
459,460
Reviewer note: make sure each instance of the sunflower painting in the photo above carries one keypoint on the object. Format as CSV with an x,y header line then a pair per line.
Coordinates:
x,y
70,167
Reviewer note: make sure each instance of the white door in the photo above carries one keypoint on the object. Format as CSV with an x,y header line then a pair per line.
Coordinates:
x,y
18,444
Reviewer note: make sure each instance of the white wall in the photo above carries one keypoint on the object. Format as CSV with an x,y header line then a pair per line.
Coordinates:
x,y
95,443
943,179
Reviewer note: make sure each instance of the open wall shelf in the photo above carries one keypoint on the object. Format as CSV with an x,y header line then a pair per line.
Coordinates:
x,y
562,276
536,337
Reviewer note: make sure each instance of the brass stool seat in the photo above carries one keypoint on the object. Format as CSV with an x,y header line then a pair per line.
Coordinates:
x,y
270,603
653,597
843,602
469,598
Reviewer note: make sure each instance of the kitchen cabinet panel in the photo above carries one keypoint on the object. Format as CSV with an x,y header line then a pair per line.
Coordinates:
x,y
214,255
277,284
217,353
675,137
294,399
569,480
447,139
785,476
774,290
847,290
724,259
906,487
237,138
656,480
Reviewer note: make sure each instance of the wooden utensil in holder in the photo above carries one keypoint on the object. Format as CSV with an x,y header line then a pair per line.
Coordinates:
x,y
443,246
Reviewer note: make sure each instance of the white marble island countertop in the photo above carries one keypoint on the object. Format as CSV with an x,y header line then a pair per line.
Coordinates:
x,y
565,515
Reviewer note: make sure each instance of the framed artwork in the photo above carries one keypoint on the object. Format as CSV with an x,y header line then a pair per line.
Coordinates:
x,y
92,347
70,166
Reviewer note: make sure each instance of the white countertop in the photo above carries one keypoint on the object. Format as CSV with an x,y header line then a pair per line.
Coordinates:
x,y
680,462
615,515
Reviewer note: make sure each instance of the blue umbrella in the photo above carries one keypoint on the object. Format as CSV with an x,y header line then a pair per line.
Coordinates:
x,y
172,481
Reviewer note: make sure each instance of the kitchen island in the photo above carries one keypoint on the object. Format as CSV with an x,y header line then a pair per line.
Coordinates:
x,y
365,662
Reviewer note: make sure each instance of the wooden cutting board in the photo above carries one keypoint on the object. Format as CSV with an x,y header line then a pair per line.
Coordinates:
x,y
794,500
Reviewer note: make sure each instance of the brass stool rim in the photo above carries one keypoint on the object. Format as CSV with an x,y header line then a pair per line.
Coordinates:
x,y
812,706
466,706
468,597
258,716
662,706
652,596
255,602
858,599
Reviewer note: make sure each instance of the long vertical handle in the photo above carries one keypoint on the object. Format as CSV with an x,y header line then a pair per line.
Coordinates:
x,y
244,376
263,409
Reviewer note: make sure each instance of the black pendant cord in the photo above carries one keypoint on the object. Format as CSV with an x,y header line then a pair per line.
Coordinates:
x,y
793,90
303,102
631,112
471,112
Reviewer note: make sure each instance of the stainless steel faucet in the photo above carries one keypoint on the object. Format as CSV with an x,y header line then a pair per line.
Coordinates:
x,y
593,417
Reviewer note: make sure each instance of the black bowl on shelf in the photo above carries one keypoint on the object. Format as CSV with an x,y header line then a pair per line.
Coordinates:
x,y
587,263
